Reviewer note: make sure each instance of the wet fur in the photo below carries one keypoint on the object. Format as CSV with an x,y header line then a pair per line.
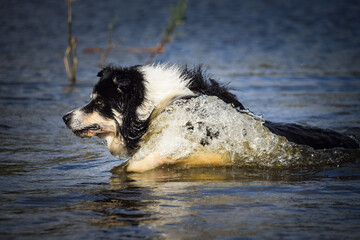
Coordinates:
x,y
126,99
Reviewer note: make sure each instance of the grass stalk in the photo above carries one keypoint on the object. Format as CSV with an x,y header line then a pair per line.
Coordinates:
x,y
70,58
175,20
110,45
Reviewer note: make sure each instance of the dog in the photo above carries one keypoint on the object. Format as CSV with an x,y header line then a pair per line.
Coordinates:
x,y
157,115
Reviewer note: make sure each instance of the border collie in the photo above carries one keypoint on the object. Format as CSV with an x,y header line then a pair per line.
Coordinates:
x,y
128,105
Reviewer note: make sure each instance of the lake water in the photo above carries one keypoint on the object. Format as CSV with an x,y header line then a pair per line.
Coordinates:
x,y
293,61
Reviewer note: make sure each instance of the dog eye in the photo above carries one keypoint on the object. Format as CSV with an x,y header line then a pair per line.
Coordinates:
x,y
99,101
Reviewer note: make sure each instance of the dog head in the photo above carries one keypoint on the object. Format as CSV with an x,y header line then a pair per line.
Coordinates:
x,y
125,100
111,113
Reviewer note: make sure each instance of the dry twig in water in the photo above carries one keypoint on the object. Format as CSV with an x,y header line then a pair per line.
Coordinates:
x,y
70,52
111,45
175,20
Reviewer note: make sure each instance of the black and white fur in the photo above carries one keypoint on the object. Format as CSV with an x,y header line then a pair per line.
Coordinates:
x,y
126,99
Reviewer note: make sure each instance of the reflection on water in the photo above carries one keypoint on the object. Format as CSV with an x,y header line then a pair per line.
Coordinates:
x,y
293,61
182,203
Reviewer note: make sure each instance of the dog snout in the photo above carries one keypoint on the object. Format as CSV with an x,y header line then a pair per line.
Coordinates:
x,y
67,118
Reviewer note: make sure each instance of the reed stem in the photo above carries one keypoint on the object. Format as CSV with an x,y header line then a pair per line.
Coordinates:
x,y
70,52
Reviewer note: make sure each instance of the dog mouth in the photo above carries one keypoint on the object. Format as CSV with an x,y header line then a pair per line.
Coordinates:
x,y
88,131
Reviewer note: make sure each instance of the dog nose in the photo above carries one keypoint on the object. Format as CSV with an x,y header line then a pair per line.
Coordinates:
x,y
67,118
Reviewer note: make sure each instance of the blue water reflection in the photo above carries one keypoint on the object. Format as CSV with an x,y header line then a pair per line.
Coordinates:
x,y
293,61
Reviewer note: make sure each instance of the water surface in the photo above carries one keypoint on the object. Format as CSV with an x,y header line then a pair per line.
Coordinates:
x,y
292,61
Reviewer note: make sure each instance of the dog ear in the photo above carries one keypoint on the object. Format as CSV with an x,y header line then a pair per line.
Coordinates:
x,y
100,74
104,72
122,83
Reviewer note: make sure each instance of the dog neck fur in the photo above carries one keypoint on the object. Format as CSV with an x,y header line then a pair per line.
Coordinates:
x,y
116,145
114,142
162,83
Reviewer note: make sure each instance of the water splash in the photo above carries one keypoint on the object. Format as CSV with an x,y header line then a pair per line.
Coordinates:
x,y
206,123
259,117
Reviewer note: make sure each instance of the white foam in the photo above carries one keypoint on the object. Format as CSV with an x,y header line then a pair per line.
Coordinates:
x,y
207,122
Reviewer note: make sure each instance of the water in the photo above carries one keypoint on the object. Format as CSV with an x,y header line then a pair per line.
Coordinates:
x,y
292,61
212,126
